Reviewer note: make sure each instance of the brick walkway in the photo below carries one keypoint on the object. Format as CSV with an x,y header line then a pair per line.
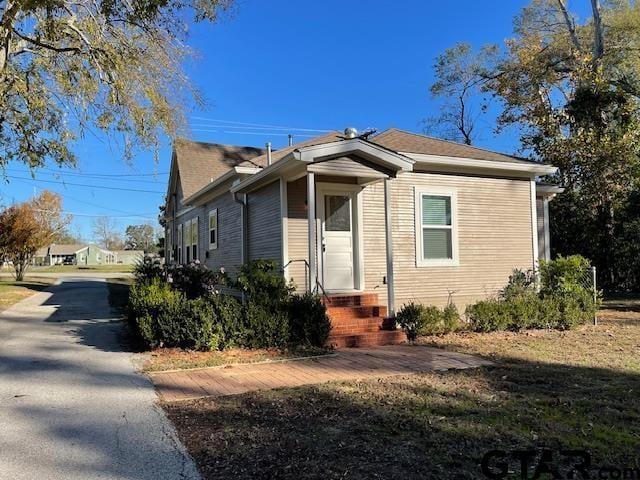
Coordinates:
x,y
346,364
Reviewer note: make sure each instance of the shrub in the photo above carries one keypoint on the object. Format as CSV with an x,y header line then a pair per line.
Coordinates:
x,y
228,312
309,324
431,321
264,284
148,269
523,310
488,315
194,280
264,328
163,316
151,303
411,320
564,275
450,318
520,283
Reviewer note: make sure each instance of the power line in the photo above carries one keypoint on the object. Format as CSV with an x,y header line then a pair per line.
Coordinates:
x,y
107,179
77,214
88,186
85,202
262,125
268,134
107,174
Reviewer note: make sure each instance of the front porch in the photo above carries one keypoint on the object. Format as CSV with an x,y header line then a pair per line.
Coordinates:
x,y
335,218
358,320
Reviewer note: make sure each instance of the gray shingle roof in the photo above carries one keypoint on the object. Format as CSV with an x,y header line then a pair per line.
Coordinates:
x,y
199,162
401,141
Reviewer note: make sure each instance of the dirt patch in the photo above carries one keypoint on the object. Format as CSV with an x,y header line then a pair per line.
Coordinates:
x,y
162,359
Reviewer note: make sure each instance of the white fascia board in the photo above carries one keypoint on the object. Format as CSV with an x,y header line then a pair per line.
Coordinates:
x,y
442,161
548,190
395,161
254,180
234,172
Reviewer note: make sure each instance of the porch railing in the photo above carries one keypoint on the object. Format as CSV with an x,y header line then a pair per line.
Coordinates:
x,y
318,286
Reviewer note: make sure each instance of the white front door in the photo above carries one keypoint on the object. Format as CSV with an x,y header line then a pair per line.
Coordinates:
x,y
337,241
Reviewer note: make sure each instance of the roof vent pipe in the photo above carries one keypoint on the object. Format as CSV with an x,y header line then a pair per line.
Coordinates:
x,y
268,153
290,139
350,132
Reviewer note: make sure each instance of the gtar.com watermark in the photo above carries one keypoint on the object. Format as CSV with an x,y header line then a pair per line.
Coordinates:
x,y
549,464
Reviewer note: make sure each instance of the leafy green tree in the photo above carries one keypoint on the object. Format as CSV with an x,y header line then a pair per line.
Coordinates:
x,y
573,90
141,237
70,67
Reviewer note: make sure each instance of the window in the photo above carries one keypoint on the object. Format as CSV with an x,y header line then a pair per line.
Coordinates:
x,y
180,240
213,229
186,233
436,227
194,238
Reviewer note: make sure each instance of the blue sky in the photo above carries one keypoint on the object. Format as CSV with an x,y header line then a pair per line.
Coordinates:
x,y
304,64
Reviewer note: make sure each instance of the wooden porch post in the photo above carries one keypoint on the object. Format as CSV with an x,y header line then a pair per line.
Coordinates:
x,y
391,300
311,215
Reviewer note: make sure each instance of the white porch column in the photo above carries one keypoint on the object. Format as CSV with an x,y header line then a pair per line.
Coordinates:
x,y
391,300
311,215
534,226
547,233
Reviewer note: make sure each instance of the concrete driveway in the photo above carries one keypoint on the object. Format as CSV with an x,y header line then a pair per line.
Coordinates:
x,y
71,403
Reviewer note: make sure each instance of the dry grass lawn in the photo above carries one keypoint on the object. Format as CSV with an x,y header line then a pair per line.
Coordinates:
x,y
11,292
576,389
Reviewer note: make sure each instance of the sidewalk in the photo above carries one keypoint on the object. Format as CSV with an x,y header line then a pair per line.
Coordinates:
x,y
346,364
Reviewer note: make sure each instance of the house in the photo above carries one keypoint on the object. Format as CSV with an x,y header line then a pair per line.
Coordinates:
x,y
88,255
128,257
70,254
371,222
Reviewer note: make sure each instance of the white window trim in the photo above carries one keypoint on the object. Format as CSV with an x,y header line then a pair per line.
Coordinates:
x,y
180,239
440,191
213,213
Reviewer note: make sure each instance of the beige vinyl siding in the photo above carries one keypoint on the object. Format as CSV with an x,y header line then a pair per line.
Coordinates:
x,y
264,223
374,241
297,232
229,251
542,240
494,235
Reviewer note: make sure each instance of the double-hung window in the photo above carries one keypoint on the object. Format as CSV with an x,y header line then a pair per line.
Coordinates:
x,y
436,227
180,240
213,229
186,233
194,238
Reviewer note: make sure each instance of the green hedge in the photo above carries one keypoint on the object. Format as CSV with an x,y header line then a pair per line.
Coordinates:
x,y
563,301
172,315
416,319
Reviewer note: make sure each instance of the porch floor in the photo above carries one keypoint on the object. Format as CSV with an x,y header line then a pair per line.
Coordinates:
x,y
345,364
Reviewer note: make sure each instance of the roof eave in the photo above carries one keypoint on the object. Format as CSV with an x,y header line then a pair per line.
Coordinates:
x,y
389,158
230,175
441,162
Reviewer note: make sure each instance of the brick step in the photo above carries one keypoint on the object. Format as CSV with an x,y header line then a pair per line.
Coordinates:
x,y
351,300
368,339
365,311
380,322
356,329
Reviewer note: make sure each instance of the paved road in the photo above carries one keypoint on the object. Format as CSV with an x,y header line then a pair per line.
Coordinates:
x,y
71,404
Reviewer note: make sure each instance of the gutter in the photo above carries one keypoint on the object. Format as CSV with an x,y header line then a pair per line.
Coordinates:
x,y
235,171
442,161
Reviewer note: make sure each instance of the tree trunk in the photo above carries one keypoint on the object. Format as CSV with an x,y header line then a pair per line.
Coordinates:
x,y
598,33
